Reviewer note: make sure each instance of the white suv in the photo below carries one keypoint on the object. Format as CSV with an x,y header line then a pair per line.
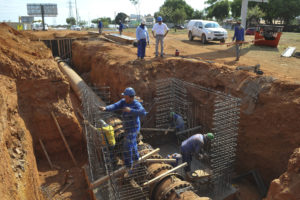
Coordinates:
x,y
207,31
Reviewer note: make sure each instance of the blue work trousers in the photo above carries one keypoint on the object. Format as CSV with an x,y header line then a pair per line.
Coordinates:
x,y
130,149
142,48
186,157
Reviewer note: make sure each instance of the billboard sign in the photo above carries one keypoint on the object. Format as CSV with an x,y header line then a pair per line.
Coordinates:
x,y
50,9
27,19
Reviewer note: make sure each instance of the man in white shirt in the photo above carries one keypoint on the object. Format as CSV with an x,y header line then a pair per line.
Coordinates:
x,y
159,31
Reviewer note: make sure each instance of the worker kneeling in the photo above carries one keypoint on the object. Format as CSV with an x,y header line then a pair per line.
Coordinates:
x,y
194,145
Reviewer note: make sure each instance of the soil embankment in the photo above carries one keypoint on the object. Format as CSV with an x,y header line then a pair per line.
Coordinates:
x,y
31,87
268,132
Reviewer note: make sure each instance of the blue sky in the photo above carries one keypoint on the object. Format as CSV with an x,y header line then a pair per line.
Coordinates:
x,y
87,9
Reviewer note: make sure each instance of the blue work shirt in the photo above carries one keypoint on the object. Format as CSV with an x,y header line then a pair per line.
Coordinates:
x,y
177,122
131,120
239,33
142,33
193,144
100,25
121,27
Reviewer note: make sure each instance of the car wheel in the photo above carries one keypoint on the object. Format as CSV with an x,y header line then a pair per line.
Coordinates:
x,y
203,39
191,38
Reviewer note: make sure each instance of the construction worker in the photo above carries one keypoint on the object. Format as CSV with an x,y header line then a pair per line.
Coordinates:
x,y
121,27
100,27
194,145
176,121
239,33
159,32
132,111
142,37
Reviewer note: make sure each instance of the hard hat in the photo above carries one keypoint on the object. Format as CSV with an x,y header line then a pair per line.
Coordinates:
x,y
159,19
129,92
143,22
210,136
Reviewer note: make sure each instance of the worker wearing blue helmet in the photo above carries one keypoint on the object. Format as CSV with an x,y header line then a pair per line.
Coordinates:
x,y
160,31
132,110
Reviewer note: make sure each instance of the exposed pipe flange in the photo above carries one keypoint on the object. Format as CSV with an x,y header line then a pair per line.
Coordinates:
x,y
157,185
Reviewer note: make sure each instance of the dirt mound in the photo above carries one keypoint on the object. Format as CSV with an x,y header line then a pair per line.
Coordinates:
x,y
267,133
286,187
31,87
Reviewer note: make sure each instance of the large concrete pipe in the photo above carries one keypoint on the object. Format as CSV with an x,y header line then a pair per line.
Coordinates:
x,y
169,187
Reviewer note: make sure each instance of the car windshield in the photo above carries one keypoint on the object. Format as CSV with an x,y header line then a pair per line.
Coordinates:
x,y
212,25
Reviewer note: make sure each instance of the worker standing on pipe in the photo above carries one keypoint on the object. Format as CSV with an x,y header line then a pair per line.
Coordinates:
x,y
161,30
132,111
142,37
194,145
239,33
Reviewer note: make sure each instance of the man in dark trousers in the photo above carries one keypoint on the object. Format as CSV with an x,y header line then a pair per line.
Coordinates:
x,y
239,33
142,37
132,111
194,145
100,27
121,27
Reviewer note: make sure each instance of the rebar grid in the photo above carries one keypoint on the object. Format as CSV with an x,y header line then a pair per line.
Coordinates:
x,y
223,120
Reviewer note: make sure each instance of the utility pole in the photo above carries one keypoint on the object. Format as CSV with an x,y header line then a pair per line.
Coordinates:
x,y
43,16
76,12
70,9
244,9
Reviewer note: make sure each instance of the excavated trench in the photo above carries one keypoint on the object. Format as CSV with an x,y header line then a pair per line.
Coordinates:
x,y
33,86
267,133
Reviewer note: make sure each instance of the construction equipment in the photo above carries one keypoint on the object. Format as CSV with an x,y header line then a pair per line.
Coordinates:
x,y
268,35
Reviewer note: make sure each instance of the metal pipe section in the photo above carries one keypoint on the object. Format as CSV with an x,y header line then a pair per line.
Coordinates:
x,y
170,186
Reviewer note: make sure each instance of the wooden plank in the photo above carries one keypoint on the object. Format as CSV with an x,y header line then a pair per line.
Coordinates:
x,y
121,171
164,174
161,160
63,138
46,154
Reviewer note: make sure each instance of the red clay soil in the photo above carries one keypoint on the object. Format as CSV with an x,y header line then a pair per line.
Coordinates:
x,y
268,130
31,87
287,186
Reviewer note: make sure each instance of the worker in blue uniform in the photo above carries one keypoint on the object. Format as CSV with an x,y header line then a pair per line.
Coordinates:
x,y
239,33
194,145
142,37
176,121
121,27
132,111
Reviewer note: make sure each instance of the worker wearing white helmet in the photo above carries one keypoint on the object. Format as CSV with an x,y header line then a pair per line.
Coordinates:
x,y
142,37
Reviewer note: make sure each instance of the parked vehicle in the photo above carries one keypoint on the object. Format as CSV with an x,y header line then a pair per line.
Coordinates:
x,y
39,26
251,31
179,27
75,28
206,30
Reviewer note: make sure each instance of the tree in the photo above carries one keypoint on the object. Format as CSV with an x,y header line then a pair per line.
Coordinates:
x,y
236,6
179,16
120,17
82,22
71,21
255,14
105,21
198,14
136,4
219,10
171,7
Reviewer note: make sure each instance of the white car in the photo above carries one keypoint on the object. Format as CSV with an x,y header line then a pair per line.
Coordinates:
x,y
75,28
38,27
206,30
